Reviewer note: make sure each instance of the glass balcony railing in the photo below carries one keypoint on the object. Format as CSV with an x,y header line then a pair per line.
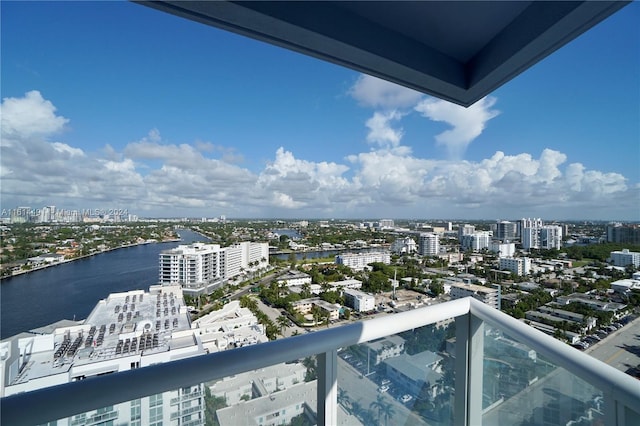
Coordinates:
x,y
459,363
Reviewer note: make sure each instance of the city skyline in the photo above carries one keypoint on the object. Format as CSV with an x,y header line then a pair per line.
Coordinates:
x,y
118,105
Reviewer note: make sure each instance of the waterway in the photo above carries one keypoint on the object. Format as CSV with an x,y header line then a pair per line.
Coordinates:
x,y
71,290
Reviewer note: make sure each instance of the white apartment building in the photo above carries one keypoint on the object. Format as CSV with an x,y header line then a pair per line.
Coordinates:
x,y
428,244
404,245
346,284
545,237
476,241
305,306
625,257
487,295
465,230
359,301
386,223
294,278
359,261
199,268
124,331
528,223
518,265
228,328
503,249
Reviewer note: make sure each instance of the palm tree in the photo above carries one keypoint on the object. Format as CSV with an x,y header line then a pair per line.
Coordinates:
x,y
283,322
388,412
343,398
378,404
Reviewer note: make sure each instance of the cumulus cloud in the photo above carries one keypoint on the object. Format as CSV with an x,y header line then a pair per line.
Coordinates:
x,y
381,131
29,116
155,178
467,123
376,93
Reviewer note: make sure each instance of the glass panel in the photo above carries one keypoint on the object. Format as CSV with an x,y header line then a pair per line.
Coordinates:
x,y
406,378
522,388
275,395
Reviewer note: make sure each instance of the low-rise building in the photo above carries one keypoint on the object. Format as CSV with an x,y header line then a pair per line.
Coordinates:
x,y
294,278
385,348
487,295
228,328
520,266
413,372
305,306
625,257
359,301
359,261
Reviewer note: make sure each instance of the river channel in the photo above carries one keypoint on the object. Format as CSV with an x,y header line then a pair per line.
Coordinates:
x,y
71,290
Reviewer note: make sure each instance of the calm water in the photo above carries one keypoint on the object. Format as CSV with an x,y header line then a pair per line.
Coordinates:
x,y
72,290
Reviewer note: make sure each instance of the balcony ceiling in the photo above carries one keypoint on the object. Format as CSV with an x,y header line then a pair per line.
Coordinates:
x,y
456,50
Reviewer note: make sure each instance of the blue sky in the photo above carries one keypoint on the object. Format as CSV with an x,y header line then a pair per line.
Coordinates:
x,y
115,105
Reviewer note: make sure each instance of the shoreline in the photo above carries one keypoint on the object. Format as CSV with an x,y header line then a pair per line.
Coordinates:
x,y
62,262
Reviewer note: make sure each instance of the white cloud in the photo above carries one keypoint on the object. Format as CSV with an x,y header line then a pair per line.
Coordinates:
x,y
380,130
467,123
28,116
152,177
373,92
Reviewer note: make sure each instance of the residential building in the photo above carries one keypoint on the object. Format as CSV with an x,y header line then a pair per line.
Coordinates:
x,y
258,383
619,233
200,268
487,295
625,257
228,328
413,372
505,230
305,306
404,245
543,237
359,301
503,249
520,266
294,278
123,332
359,261
385,348
428,244
386,224
345,284
626,285
465,230
528,223
476,241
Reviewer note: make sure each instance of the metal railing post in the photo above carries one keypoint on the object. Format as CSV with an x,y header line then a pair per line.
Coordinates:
x,y
328,387
469,370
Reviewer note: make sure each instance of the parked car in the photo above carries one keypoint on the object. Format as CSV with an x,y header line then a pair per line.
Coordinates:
x,y
383,389
406,398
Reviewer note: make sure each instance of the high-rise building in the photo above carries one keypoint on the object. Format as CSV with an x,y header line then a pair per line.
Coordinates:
x,y
200,268
505,230
465,230
619,233
528,223
545,237
404,245
428,244
476,241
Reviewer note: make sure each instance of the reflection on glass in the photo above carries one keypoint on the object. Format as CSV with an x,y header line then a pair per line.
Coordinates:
x,y
522,388
406,378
